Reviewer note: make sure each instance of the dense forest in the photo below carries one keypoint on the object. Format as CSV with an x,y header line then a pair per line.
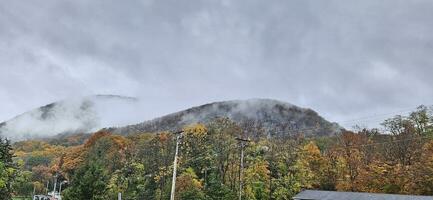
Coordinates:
x,y
397,158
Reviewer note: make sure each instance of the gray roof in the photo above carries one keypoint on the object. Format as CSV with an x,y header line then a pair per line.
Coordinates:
x,y
331,195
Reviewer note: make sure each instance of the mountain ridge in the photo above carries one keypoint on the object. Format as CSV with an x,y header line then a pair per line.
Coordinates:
x,y
274,116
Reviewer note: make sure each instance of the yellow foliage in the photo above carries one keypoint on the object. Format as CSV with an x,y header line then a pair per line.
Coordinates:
x,y
74,156
196,130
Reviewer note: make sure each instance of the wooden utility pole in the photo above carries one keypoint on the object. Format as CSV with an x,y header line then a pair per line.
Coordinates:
x,y
48,182
242,143
55,184
173,182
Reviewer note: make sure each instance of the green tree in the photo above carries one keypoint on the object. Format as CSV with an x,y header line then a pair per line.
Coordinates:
x,y
217,191
222,133
23,185
286,187
256,175
106,154
132,181
7,169
422,121
89,182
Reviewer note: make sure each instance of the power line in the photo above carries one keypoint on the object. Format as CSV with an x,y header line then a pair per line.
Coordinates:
x,y
372,118
382,115
403,111
361,119
389,142
376,118
299,130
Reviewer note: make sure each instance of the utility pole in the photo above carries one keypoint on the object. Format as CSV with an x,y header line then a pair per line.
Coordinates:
x,y
242,143
48,182
55,184
173,182
60,189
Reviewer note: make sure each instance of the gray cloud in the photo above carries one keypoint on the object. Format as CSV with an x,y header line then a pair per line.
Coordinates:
x,y
343,59
78,114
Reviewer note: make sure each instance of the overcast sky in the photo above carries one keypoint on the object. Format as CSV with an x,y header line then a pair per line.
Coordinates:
x,y
344,59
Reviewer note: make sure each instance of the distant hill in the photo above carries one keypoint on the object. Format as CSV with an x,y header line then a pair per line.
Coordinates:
x,y
272,116
89,114
77,115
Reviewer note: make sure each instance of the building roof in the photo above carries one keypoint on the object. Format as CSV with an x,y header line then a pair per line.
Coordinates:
x,y
331,195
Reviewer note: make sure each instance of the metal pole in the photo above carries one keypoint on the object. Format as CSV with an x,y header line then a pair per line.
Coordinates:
x,y
173,183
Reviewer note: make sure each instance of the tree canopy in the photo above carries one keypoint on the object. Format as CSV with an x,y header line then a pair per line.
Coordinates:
x,y
397,159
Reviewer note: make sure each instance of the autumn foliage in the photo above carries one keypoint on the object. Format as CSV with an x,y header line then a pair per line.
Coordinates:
x,y
397,159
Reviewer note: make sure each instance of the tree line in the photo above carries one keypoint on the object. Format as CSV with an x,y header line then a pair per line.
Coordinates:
x,y
396,159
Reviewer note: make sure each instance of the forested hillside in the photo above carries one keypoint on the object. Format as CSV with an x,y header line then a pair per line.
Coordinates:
x,y
396,159
88,114
257,117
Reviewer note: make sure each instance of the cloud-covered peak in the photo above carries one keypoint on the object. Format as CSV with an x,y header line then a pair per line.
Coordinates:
x,y
345,59
80,114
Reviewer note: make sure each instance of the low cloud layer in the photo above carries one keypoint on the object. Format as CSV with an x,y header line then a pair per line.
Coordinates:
x,y
344,59
74,115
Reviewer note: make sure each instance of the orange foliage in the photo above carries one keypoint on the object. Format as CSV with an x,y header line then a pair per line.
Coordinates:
x,y
163,137
73,157
95,137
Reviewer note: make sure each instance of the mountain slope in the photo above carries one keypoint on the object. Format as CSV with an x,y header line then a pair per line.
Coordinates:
x,y
77,115
88,114
272,116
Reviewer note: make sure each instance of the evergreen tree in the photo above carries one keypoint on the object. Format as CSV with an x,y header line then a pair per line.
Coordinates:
x,y
89,182
7,169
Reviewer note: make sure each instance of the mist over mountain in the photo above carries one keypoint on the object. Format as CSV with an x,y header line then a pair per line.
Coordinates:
x,y
273,117
76,115
89,114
